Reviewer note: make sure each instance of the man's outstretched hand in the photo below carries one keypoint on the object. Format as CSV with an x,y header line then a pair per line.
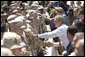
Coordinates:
x,y
49,44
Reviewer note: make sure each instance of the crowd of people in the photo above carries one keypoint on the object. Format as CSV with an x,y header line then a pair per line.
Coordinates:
x,y
24,31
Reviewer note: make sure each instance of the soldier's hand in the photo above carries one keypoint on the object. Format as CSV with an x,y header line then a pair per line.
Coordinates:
x,y
49,44
31,37
25,52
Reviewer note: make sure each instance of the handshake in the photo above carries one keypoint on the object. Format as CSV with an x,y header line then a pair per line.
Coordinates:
x,y
31,37
49,44
34,36
29,34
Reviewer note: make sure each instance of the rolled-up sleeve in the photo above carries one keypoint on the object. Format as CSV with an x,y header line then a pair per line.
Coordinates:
x,y
52,34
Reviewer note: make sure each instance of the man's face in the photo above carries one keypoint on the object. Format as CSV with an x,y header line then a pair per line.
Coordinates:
x,y
33,20
17,30
75,39
19,10
57,23
24,13
4,18
20,52
78,49
17,51
75,13
81,16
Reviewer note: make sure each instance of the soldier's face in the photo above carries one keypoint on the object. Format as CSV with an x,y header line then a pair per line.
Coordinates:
x,y
17,51
24,13
19,10
81,16
75,13
33,20
18,31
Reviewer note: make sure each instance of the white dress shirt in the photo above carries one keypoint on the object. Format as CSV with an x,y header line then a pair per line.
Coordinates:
x,y
60,32
72,54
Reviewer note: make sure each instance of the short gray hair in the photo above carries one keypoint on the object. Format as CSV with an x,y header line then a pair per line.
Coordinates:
x,y
80,35
60,18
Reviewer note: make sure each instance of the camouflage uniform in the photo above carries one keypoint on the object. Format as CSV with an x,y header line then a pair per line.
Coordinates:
x,y
41,24
35,43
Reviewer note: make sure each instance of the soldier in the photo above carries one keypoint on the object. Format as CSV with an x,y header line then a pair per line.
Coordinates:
x,y
32,16
6,52
3,23
13,41
35,43
34,5
31,31
41,19
17,51
17,25
11,38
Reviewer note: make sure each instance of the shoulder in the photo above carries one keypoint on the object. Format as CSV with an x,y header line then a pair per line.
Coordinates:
x,y
63,26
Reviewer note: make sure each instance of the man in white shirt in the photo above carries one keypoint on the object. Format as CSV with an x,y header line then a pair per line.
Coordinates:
x,y
60,32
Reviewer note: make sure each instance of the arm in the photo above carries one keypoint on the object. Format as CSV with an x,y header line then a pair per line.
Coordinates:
x,y
52,34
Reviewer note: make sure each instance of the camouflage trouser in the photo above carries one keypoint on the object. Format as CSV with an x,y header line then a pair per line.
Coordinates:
x,y
36,46
37,51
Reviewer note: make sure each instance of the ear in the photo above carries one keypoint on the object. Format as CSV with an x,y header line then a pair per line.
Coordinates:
x,y
60,21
